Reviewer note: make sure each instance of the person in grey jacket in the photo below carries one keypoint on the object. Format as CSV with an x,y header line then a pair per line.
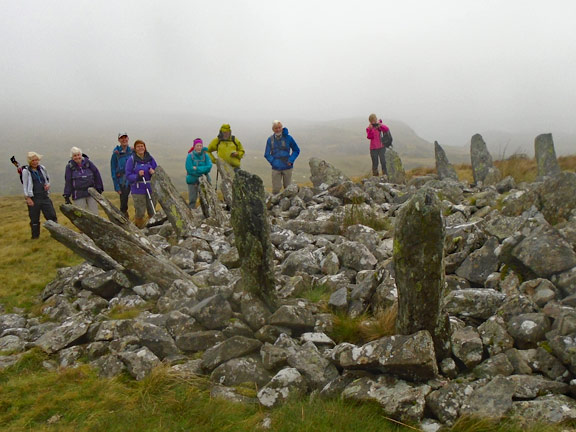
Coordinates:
x,y
36,184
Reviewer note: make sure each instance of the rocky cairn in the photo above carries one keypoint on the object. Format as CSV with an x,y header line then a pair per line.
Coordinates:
x,y
483,278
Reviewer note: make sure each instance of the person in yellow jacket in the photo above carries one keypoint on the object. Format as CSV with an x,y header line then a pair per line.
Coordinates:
x,y
227,147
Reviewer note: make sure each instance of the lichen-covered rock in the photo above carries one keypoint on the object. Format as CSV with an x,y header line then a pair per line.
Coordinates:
x,y
548,409
399,399
317,370
237,346
323,175
541,253
140,362
528,329
287,384
532,386
355,255
473,302
66,334
467,346
492,400
494,366
480,263
494,335
199,340
242,370
213,312
293,316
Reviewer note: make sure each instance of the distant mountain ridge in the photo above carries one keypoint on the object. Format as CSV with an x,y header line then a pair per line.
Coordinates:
x,y
341,142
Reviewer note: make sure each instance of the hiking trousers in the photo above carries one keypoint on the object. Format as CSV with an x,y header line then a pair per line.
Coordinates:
x,y
87,203
41,205
124,195
281,178
375,155
193,195
142,204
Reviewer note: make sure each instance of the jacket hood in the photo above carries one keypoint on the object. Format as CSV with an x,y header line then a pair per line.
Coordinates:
x,y
118,149
225,128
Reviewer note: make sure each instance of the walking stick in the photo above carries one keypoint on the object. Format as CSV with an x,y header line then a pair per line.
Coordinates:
x,y
149,196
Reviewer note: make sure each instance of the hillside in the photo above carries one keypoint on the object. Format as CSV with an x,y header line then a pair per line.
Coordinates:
x,y
341,142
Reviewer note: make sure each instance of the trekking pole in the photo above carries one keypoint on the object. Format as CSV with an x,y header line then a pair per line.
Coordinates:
x,y
217,173
149,196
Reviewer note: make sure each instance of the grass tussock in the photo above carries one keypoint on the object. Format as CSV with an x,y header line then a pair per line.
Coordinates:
x,y
382,324
317,293
354,214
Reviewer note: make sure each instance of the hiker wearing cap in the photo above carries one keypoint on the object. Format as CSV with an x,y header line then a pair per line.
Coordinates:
x,y
118,169
36,184
227,147
139,169
380,139
81,173
281,151
198,163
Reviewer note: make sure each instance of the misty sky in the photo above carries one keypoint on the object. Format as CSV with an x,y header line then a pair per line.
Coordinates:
x,y
467,64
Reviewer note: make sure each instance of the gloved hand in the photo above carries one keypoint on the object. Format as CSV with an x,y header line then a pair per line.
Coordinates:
x,y
67,199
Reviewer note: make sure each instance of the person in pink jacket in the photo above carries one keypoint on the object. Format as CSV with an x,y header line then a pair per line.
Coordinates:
x,y
380,139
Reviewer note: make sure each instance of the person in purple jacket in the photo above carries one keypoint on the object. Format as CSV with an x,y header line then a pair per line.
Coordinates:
x,y
139,170
380,138
81,174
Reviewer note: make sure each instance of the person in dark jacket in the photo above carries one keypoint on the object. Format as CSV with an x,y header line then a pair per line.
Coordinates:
x,y
281,151
198,163
36,185
81,174
118,169
139,170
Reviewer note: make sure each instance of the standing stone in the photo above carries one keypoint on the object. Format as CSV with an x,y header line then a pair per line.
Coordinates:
x,y
114,214
480,158
419,265
323,175
444,168
174,206
137,254
252,231
394,167
546,156
82,245
225,177
209,202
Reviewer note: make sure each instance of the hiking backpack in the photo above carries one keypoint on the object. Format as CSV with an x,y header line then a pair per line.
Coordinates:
x,y
386,138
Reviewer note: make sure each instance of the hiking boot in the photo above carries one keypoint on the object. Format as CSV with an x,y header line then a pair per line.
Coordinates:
x,y
126,215
375,173
35,230
140,222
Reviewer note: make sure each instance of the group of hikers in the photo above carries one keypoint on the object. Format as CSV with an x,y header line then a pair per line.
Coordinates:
x,y
132,170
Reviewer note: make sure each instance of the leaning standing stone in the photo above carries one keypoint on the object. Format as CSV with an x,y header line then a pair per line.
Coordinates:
x,y
252,231
419,265
443,166
174,206
480,158
546,156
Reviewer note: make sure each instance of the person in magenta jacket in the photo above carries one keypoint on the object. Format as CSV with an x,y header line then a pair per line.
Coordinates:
x,y
380,138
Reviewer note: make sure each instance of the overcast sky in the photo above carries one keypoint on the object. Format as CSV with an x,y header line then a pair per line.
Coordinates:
x,y
506,64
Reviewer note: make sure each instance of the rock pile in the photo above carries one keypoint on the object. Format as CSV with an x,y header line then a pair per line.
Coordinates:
x,y
507,295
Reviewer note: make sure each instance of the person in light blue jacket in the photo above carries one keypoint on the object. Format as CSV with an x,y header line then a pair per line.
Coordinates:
x,y
198,163
281,151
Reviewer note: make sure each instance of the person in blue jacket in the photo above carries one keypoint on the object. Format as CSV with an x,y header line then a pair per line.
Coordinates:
x,y
198,163
281,151
118,160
